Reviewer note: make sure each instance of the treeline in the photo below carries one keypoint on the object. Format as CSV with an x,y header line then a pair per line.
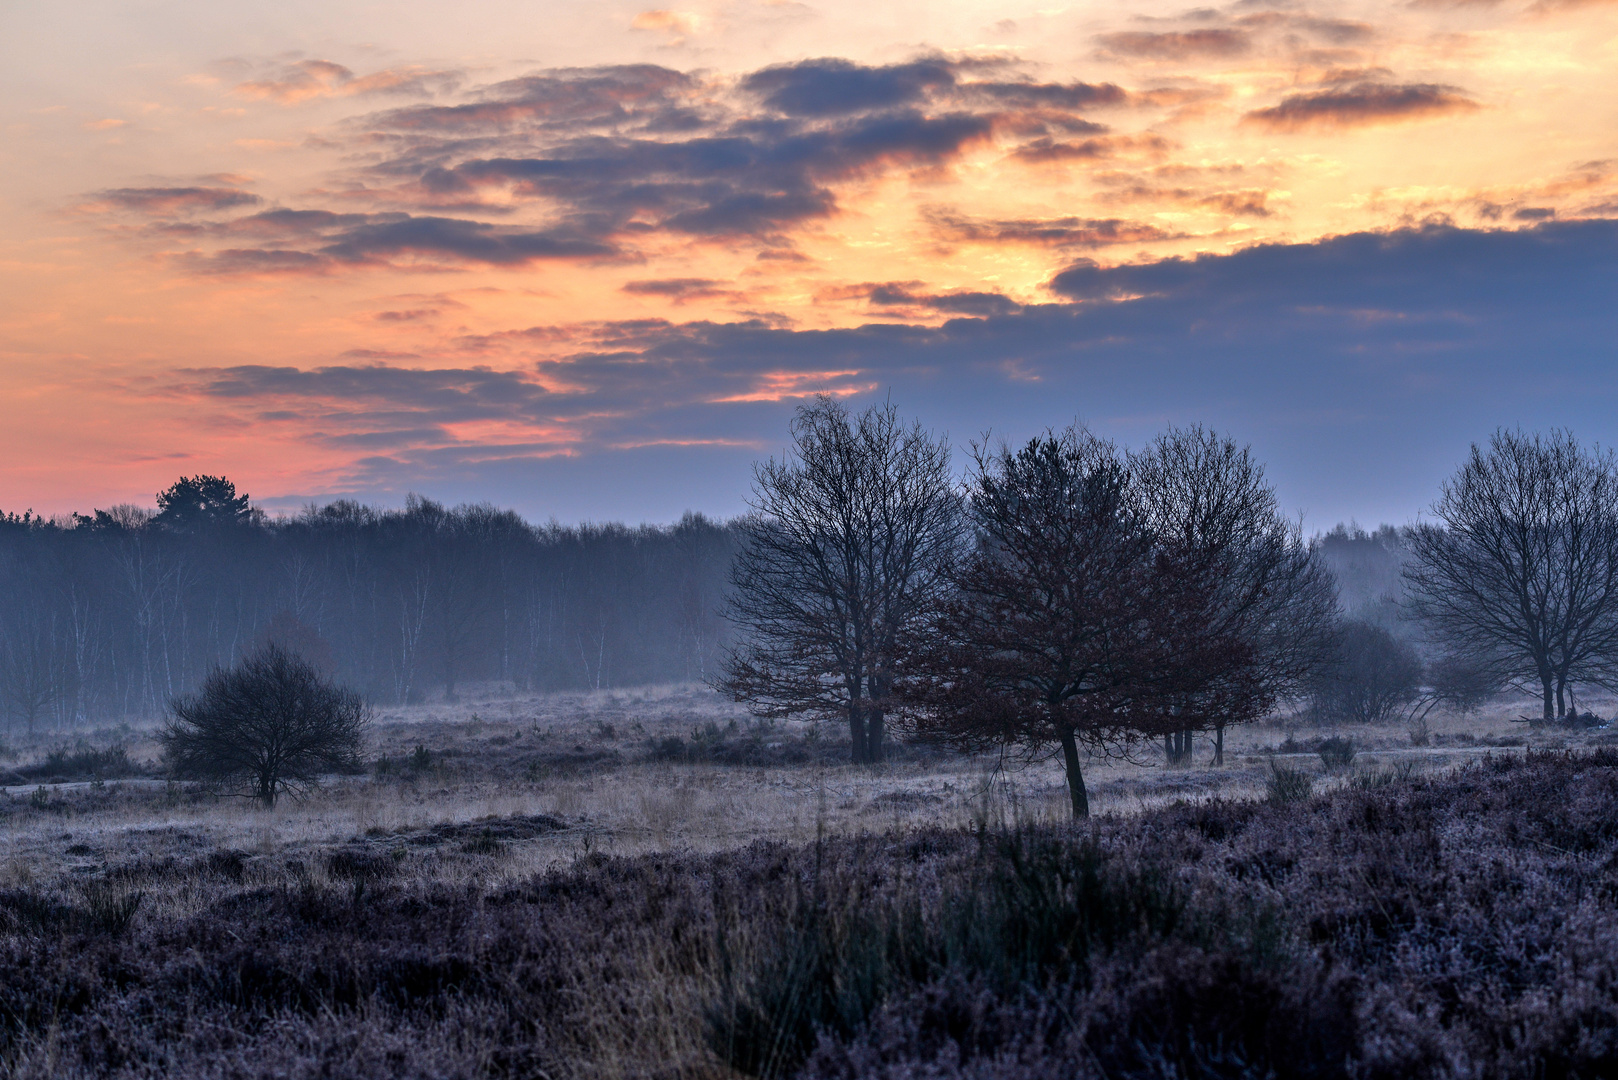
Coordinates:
x,y
116,612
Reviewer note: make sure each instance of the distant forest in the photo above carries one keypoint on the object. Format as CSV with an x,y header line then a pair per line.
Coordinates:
x,y
115,612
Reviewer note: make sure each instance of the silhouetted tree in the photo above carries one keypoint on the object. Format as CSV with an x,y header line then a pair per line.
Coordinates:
x,y
201,501
843,557
271,721
1095,612
1206,501
1522,572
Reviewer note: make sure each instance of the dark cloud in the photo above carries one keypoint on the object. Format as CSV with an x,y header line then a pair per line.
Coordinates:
x,y
254,261
833,87
1049,151
1336,31
473,241
674,287
681,289
163,201
596,160
1051,232
1362,104
1244,202
1439,267
755,178
1032,95
963,302
1178,44
319,241
1359,367
378,354
378,402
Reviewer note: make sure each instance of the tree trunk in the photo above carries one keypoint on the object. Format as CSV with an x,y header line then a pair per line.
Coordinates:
x,y
1219,745
1561,697
1075,775
1550,696
873,736
856,731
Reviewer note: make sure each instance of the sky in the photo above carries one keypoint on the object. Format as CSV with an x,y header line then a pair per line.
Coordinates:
x,y
585,259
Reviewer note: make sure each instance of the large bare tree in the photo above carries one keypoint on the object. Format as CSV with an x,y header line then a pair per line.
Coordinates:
x,y
1520,572
843,557
1206,500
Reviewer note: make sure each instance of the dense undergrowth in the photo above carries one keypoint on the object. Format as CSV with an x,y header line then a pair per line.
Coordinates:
x,y
1453,926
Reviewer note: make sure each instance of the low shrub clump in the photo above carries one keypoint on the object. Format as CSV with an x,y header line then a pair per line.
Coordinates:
x,y
81,762
1406,925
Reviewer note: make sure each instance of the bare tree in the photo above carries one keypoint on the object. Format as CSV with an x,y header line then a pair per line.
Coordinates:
x,y
271,721
842,558
1522,572
1205,500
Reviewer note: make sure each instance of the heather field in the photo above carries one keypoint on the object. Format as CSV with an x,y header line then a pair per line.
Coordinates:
x,y
653,884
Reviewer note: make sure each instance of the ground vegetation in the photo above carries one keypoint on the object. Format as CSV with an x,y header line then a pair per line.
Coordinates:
x,y
1395,923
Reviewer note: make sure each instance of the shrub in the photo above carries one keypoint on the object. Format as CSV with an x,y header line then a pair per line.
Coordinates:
x,y
271,721
81,762
1288,785
1373,676
1337,752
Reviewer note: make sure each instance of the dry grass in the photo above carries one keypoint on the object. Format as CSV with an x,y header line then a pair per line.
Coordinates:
x,y
617,770
1445,923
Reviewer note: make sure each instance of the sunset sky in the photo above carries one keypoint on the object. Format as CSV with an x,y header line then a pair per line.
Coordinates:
x,y
583,259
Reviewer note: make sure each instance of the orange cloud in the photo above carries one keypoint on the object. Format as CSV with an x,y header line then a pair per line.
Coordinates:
x,y
679,22
783,385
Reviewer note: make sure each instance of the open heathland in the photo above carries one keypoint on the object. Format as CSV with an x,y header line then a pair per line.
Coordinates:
x,y
486,906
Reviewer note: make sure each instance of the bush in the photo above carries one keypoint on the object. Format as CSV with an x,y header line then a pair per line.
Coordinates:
x,y
81,762
1288,785
271,721
1337,753
1373,676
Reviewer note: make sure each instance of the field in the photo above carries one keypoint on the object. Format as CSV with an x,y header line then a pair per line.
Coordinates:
x,y
613,883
